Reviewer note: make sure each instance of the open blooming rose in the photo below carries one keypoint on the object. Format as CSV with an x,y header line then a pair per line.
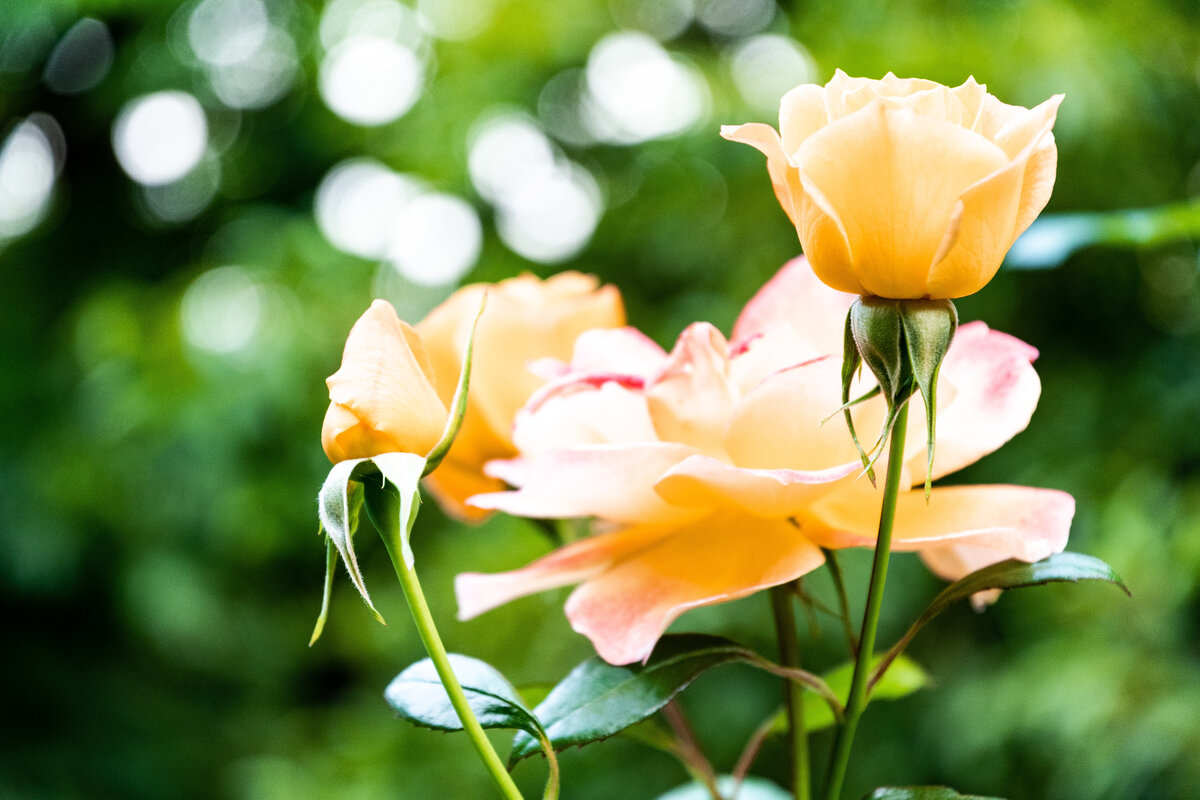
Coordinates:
x,y
382,399
712,475
905,188
525,319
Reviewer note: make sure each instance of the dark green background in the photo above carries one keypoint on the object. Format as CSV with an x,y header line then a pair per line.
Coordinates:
x,y
159,564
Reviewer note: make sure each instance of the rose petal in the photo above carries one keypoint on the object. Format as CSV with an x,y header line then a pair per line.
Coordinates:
x,y
610,481
802,113
625,609
784,179
704,482
691,400
795,297
575,562
581,413
1011,521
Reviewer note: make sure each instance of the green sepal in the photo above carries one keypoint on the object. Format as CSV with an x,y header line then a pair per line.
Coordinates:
x,y
1010,574
929,326
875,330
392,502
338,505
921,793
458,405
851,363
331,556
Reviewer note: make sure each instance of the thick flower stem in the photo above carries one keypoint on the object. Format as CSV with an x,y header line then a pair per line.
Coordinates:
x,y
437,653
844,739
789,656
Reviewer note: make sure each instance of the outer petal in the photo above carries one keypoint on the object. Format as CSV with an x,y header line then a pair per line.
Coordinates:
x,y
802,113
610,481
1010,521
617,350
625,609
705,482
987,392
691,400
795,297
573,563
784,179
917,167
989,216
386,383
586,415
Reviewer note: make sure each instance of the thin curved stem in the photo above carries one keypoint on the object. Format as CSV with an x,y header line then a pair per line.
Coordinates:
x,y
839,585
437,654
789,655
844,739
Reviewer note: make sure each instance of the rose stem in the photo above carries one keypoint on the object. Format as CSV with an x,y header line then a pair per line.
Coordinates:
x,y
793,695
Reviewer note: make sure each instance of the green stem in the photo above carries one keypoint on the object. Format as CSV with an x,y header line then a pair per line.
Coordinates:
x,y
844,739
437,653
793,695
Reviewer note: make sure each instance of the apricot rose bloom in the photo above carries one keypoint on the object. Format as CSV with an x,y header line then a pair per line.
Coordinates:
x,y
382,399
525,319
712,476
904,188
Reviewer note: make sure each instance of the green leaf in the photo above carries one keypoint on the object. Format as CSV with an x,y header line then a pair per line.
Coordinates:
x,y
750,789
921,793
1011,574
598,699
458,405
338,504
903,677
417,695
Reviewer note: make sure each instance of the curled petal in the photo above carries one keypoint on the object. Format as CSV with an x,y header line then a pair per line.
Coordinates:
x,y
705,482
626,608
691,399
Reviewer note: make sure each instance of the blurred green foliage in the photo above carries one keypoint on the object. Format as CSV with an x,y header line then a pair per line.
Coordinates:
x,y
159,565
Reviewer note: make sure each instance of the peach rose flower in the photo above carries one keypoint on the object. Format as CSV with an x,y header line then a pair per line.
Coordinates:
x,y
526,319
904,188
382,399
712,477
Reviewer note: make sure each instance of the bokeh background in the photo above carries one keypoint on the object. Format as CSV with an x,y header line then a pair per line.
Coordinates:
x,y
197,200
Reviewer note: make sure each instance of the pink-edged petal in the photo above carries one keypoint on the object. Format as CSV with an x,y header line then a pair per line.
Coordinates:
x,y
626,351
987,391
797,298
625,609
610,481
576,562
781,424
705,482
691,399
1011,521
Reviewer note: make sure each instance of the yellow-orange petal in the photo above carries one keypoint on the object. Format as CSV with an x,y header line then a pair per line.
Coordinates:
x,y
624,609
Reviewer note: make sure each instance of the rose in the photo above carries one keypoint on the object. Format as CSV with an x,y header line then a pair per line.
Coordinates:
x,y
904,188
525,319
714,478
382,399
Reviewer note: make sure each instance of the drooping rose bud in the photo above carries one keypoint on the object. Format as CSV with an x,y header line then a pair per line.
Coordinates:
x,y
383,398
904,188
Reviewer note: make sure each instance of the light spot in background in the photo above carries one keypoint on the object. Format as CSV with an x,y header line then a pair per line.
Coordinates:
x,y
224,32
735,18
370,80
250,61
386,19
767,66
357,204
30,160
503,151
23,46
662,19
158,138
436,240
559,108
637,91
221,310
455,20
185,198
550,217
81,58
546,206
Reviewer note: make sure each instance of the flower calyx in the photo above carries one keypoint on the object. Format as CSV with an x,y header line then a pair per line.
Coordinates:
x,y
903,343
